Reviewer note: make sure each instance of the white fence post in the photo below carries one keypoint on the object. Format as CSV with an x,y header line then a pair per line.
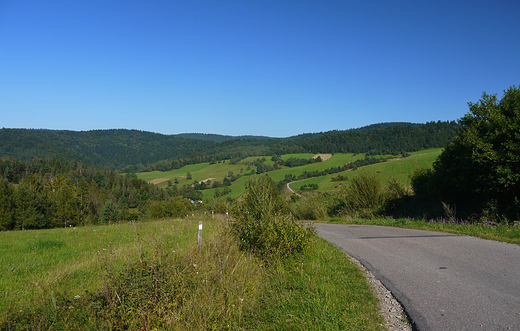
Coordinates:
x,y
199,237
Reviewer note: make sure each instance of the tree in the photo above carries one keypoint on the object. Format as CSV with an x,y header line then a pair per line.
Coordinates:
x,y
479,171
6,205
110,213
188,176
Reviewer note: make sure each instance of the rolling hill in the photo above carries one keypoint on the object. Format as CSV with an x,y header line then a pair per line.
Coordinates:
x,y
138,151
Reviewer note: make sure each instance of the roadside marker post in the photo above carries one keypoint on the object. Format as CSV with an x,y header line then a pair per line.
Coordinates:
x,y
199,237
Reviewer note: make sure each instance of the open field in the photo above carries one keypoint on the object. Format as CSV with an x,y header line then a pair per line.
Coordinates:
x,y
217,286
399,168
35,262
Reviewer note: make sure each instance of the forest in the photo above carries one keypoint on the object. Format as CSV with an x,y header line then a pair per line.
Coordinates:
x,y
138,151
49,193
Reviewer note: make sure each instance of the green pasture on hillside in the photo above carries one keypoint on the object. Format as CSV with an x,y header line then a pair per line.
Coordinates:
x,y
399,168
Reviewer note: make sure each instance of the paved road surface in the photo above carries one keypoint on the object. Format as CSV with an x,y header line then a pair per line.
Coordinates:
x,y
444,281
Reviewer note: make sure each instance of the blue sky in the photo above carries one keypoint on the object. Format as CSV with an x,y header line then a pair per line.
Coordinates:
x,y
274,68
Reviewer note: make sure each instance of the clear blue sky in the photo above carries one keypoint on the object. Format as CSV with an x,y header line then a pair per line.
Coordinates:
x,y
275,68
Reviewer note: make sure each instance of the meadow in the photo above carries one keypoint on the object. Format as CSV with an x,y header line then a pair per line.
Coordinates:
x,y
152,275
400,168
36,262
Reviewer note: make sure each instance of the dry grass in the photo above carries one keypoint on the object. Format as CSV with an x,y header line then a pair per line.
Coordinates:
x,y
324,157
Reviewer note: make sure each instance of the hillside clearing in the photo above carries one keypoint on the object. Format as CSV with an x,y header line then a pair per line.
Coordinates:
x,y
159,180
324,157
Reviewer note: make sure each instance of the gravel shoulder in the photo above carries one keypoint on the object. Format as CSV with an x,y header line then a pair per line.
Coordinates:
x,y
391,309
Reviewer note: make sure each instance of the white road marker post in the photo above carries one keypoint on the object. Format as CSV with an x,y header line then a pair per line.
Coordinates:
x,y
199,237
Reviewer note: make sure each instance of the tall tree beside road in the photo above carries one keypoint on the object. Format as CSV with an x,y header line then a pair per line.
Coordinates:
x,y
479,171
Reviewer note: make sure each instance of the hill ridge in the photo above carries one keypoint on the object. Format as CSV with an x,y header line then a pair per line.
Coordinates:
x,y
121,148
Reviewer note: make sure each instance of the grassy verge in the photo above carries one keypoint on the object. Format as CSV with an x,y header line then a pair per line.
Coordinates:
x,y
151,276
321,290
504,233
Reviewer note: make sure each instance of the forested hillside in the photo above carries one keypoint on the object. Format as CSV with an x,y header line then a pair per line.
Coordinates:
x,y
105,148
378,139
134,150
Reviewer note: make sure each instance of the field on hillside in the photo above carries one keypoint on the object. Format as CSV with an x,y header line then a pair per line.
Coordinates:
x,y
35,262
399,168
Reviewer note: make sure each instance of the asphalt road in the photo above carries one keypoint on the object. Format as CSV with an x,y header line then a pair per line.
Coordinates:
x,y
444,281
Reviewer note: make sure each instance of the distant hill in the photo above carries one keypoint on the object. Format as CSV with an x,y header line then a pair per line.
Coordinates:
x,y
216,137
108,148
137,150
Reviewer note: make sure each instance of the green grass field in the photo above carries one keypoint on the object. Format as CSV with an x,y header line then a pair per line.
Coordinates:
x,y
398,168
46,274
35,262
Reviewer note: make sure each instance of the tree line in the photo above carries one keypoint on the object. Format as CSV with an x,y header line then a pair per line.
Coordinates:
x,y
139,151
48,193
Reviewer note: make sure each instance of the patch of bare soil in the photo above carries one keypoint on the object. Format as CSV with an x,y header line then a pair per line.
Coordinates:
x,y
159,180
324,157
205,180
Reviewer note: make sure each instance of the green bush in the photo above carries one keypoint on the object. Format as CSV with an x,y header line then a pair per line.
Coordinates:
x,y
365,191
173,207
310,208
262,225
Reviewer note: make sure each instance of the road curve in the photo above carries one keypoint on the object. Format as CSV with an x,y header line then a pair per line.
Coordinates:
x,y
444,281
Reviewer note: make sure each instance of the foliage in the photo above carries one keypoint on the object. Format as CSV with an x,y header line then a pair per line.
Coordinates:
x,y
110,213
479,172
262,226
138,151
104,148
395,189
364,192
309,187
6,205
310,208
173,207
48,193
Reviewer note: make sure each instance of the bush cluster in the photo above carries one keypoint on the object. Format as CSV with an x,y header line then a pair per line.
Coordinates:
x,y
262,225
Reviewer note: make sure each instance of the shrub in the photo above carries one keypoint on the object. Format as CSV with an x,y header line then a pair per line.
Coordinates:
x,y
395,189
261,225
173,207
310,208
365,191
